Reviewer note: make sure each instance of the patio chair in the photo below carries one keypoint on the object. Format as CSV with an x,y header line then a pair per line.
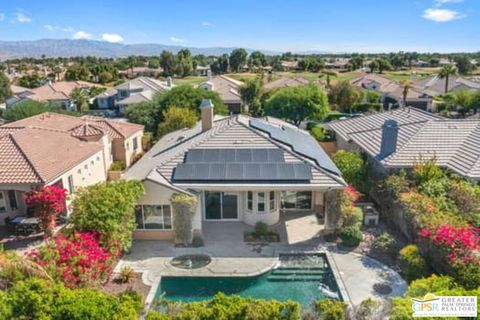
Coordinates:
x,y
9,225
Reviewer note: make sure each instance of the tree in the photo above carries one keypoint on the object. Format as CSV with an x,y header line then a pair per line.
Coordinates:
x,y
105,77
81,98
108,208
24,109
383,64
238,58
77,72
220,65
446,72
142,113
257,59
463,100
297,104
344,95
167,62
252,93
312,64
5,91
407,85
175,118
184,64
373,65
464,65
48,202
352,167
184,207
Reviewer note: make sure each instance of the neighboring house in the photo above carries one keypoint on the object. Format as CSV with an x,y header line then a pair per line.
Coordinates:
x,y
228,90
131,92
392,92
435,85
202,71
286,82
405,137
336,63
239,168
289,65
58,93
140,71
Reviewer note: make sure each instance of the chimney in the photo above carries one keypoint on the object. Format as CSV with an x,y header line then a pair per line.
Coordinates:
x,y
206,108
389,138
169,82
209,74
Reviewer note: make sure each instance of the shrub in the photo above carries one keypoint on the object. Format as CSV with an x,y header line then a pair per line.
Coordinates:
x,y
398,183
330,309
427,171
352,216
351,235
352,166
108,208
117,166
261,229
412,263
369,309
78,261
467,199
386,243
126,275
175,118
184,207
319,133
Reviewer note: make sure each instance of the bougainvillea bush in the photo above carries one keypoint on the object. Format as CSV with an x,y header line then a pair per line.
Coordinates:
x,y
455,250
48,202
77,260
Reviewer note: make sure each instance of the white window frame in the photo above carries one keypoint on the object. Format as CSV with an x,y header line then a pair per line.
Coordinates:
x,y
270,200
163,216
250,201
264,202
3,202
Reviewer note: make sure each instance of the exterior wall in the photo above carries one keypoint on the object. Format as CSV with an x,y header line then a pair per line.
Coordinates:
x,y
345,145
130,153
252,217
20,190
234,108
118,150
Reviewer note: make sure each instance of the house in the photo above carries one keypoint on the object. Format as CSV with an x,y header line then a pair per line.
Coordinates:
x,y
140,71
58,93
435,85
56,149
202,71
228,90
392,92
286,82
405,137
239,168
289,65
131,92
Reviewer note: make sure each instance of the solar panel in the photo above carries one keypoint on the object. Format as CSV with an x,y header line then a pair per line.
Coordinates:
x,y
211,172
300,142
234,155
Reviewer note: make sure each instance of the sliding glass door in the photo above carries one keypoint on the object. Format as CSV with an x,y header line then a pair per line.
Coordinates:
x,y
221,205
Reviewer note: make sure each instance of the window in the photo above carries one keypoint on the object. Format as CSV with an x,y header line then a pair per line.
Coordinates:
x,y
261,202
70,184
153,217
135,144
301,200
272,200
86,166
3,206
12,198
250,200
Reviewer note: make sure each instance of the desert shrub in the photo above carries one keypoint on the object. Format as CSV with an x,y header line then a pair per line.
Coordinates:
x,y
352,216
341,207
184,207
126,274
427,171
351,235
109,209
467,200
319,133
352,166
412,263
261,229
369,309
386,243
117,166
397,183
330,309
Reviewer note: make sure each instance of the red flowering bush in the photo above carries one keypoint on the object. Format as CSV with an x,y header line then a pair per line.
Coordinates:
x,y
48,202
454,250
77,260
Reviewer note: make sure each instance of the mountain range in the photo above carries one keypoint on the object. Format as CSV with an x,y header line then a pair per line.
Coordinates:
x,y
74,48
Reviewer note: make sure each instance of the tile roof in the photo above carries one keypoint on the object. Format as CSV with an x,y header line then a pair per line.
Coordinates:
x,y
434,85
226,87
286,82
140,84
57,90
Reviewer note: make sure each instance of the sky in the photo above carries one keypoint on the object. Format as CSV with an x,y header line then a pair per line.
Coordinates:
x,y
294,25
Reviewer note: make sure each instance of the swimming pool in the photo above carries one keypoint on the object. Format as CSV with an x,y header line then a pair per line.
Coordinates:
x,y
299,277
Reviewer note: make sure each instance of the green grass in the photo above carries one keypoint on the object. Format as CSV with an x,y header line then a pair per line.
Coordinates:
x,y
190,80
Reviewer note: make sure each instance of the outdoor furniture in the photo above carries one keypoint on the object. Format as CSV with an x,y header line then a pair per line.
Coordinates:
x,y
26,226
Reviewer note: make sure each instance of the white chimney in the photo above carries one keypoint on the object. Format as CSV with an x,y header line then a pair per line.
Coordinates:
x,y
206,108
169,82
209,74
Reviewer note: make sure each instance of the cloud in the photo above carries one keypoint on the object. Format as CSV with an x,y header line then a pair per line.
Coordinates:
x,y
176,40
2,16
53,28
81,35
207,24
442,15
439,3
22,18
112,37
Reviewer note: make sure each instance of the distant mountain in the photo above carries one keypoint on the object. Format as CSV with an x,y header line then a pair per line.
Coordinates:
x,y
72,48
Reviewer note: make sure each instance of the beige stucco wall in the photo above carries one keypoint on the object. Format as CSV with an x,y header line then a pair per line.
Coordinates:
x,y
130,153
20,190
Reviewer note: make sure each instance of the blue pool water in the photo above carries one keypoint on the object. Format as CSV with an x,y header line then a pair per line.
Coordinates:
x,y
302,278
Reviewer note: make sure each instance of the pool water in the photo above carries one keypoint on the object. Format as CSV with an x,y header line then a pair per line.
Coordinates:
x,y
302,278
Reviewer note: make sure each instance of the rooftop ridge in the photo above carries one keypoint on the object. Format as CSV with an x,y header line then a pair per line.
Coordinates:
x,y
39,176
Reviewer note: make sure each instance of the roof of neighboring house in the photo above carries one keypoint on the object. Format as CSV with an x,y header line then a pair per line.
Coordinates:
x,y
66,123
286,82
57,90
435,85
289,64
36,155
143,96
142,84
236,132
226,87
421,136
18,89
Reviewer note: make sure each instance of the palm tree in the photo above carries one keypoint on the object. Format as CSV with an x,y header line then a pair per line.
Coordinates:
x,y
447,71
11,263
81,99
407,85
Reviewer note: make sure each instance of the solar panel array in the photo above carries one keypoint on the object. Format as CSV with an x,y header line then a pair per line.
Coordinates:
x,y
302,143
234,155
292,172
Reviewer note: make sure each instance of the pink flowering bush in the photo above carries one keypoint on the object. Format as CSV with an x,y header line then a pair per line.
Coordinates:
x,y
457,251
77,260
48,202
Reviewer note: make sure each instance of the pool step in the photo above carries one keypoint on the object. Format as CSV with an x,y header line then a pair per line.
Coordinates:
x,y
300,268
298,272
295,278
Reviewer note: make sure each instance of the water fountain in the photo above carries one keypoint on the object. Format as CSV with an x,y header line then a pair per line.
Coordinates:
x,y
191,261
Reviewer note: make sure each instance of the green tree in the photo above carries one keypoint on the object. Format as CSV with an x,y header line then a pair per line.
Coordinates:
x,y
352,166
220,65
184,64
297,104
105,77
446,72
143,113
108,208
5,91
168,63
344,95
373,65
464,65
81,98
175,118
77,72
406,86
257,59
24,109
463,100
383,64
252,94
238,58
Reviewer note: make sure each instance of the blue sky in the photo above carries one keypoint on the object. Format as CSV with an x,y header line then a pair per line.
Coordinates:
x,y
336,25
